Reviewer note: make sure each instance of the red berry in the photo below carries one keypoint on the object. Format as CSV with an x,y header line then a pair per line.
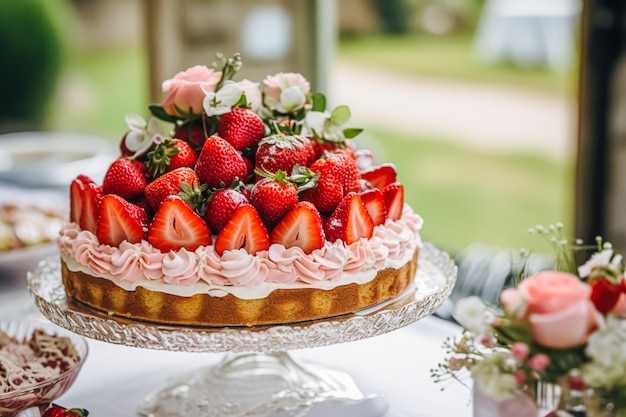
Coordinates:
x,y
126,178
604,294
85,198
350,221
394,199
221,206
170,155
241,127
219,164
58,411
351,178
170,184
273,198
380,176
194,133
374,202
281,152
120,220
176,225
328,192
245,230
301,227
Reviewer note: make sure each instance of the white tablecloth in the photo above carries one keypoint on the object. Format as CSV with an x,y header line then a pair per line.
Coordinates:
x,y
116,378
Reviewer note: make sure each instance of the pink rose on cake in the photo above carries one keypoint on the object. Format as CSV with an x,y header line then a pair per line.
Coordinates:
x,y
285,92
186,91
557,307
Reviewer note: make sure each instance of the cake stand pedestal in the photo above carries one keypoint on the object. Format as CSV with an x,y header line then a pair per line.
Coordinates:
x,y
257,377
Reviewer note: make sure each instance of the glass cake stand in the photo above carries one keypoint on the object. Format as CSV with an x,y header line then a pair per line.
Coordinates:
x,y
257,377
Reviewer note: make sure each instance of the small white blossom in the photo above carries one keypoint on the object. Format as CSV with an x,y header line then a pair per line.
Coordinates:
x,y
291,99
222,101
141,135
473,314
597,260
494,377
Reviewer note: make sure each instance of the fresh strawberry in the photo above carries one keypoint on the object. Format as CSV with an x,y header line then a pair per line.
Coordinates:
x,y
77,189
351,177
394,199
126,178
194,133
374,202
350,221
221,206
273,197
281,152
245,230
55,410
604,294
176,225
170,184
143,202
219,163
120,220
241,127
301,227
380,176
170,155
328,191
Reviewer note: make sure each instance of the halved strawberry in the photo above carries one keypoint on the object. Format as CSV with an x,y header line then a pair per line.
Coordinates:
x,y
380,176
241,127
244,230
219,163
221,206
176,225
120,220
126,178
394,199
85,197
350,221
374,202
301,227
168,184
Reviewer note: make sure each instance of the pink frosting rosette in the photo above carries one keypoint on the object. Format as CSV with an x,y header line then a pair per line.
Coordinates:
x,y
557,307
186,90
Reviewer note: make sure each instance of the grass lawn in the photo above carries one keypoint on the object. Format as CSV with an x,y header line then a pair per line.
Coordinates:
x,y
447,57
466,195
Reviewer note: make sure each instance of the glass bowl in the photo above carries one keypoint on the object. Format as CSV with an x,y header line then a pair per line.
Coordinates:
x,y
40,394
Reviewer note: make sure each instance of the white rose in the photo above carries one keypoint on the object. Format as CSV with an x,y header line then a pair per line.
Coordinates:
x,y
473,314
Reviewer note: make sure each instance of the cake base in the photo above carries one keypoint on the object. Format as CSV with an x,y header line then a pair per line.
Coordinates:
x,y
280,306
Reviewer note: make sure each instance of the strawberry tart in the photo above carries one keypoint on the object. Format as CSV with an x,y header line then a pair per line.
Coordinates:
x,y
255,208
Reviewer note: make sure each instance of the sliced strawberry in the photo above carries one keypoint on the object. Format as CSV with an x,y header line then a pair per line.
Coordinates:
x,y
120,220
604,294
221,206
168,184
380,176
176,225
301,227
394,199
241,127
219,163
273,197
77,189
91,202
350,221
245,230
126,178
374,202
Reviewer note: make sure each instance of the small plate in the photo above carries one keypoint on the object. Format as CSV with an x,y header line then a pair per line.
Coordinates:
x,y
52,159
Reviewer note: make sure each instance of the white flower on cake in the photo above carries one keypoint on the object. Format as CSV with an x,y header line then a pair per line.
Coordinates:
x,y
141,136
222,101
285,92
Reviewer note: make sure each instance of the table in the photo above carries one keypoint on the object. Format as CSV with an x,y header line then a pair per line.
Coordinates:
x,y
116,378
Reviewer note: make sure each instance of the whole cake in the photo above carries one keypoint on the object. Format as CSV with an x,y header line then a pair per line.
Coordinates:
x,y
255,208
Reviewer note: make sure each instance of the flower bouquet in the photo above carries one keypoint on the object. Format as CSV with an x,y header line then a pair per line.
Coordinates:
x,y
556,343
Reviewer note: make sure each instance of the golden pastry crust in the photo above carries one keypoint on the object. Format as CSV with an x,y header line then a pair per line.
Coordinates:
x,y
280,306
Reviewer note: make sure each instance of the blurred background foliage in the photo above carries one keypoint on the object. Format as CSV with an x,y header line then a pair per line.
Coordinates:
x,y
465,194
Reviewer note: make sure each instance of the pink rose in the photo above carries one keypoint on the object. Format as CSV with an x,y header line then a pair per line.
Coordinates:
x,y
557,307
185,90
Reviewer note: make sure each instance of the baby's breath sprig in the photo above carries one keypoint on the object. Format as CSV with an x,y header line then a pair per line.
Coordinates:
x,y
564,250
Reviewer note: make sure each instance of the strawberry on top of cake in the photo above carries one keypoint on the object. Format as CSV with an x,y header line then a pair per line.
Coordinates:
x,y
239,184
